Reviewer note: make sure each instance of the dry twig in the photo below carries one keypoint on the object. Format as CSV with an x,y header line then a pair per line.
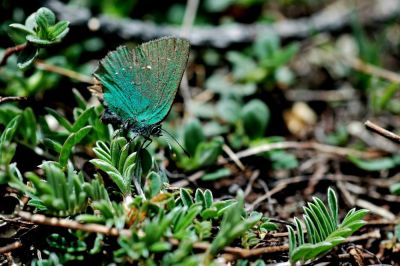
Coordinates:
x,y
11,99
10,247
10,51
383,132
334,17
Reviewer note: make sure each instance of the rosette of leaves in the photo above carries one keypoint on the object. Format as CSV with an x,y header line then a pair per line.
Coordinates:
x,y
124,163
323,230
40,30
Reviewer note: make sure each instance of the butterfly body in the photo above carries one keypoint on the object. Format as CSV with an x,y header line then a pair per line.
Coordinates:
x,y
140,84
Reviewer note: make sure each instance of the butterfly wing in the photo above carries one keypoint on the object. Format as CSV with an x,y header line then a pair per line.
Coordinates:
x,y
141,84
167,59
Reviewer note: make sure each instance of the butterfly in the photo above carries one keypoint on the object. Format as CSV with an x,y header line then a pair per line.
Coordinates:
x,y
140,84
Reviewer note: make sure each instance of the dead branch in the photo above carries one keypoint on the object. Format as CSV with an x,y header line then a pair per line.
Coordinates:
x,y
334,17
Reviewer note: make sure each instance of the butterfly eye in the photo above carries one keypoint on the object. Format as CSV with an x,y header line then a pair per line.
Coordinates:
x,y
156,130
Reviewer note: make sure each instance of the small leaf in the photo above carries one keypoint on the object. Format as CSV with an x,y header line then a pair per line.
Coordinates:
x,y
71,141
60,119
185,197
256,117
38,41
153,183
46,15
26,56
208,197
160,247
52,144
193,135
199,197
333,205
59,30
218,174
376,164
395,189
229,110
206,154
146,161
18,32
83,119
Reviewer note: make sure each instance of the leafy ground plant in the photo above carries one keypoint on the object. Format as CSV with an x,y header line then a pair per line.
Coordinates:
x,y
324,232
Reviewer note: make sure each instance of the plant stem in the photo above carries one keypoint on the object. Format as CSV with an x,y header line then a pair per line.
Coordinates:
x,y
383,132
64,72
10,51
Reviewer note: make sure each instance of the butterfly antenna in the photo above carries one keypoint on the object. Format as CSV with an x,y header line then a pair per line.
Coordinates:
x,y
177,142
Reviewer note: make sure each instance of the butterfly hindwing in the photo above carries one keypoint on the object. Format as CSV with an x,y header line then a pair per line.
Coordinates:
x,y
167,59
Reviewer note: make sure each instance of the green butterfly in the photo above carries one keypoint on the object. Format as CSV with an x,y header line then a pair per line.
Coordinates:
x,y
140,84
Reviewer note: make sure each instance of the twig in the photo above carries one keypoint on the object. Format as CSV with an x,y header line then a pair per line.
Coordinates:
x,y
246,253
11,99
10,51
233,156
300,145
71,224
10,247
253,177
192,178
64,72
369,235
383,132
364,67
375,209
334,17
189,17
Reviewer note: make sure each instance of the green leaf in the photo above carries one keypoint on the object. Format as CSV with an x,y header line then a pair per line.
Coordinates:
x,y
354,216
60,119
193,135
45,14
26,56
18,32
72,140
83,119
199,197
153,184
145,161
28,126
333,205
256,117
376,164
218,174
395,189
38,41
59,30
206,154
185,197
52,144
229,110
187,219
160,247
208,197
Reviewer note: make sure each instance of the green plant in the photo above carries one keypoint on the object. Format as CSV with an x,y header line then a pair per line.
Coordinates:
x,y
62,194
324,231
7,149
40,30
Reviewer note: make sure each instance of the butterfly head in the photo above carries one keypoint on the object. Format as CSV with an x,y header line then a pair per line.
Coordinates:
x,y
133,129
